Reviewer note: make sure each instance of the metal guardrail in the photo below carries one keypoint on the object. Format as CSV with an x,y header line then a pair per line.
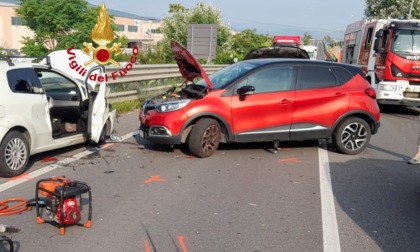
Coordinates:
x,y
149,72
132,94
126,74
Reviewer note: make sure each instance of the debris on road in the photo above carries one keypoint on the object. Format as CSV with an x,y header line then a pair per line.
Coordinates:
x,y
114,139
154,178
49,159
8,229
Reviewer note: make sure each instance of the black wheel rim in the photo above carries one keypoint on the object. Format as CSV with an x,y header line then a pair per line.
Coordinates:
x,y
210,139
354,136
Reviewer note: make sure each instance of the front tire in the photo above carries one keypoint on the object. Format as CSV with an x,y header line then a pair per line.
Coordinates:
x,y
14,154
204,138
352,136
104,135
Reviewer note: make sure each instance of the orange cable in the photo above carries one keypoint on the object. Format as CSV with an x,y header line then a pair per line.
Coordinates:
x,y
5,209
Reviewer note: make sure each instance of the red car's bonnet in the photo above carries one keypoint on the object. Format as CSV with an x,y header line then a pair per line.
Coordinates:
x,y
188,65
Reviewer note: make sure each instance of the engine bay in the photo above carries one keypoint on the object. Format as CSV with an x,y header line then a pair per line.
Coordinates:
x,y
185,91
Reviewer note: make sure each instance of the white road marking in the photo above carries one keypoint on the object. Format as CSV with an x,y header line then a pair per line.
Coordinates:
x,y
61,164
331,239
330,234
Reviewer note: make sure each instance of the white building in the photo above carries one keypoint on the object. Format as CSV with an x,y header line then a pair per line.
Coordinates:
x,y
141,31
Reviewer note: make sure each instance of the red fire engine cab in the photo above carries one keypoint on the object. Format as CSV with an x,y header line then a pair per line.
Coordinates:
x,y
388,50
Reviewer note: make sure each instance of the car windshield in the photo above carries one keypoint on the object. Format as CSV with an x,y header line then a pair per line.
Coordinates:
x,y
226,75
405,41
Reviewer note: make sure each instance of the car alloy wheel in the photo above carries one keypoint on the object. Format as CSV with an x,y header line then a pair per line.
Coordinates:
x,y
205,137
14,154
352,136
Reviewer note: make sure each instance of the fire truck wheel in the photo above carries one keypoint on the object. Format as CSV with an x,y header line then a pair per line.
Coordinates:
x,y
14,154
352,136
204,138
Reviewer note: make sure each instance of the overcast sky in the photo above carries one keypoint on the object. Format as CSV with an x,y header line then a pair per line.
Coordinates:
x,y
267,16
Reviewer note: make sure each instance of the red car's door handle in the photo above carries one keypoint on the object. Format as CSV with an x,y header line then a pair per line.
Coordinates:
x,y
285,101
339,95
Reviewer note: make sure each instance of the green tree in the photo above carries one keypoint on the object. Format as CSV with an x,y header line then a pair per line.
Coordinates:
x,y
4,51
245,41
175,26
392,8
174,8
58,24
34,46
307,37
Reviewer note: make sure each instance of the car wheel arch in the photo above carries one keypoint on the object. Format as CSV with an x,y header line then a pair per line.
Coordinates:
x,y
224,125
360,114
23,131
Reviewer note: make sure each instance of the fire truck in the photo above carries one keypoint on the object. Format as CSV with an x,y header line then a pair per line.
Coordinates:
x,y
294,41
388,51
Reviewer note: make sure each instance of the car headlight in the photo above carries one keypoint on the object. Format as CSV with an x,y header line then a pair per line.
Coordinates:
x,y
172,106
388,87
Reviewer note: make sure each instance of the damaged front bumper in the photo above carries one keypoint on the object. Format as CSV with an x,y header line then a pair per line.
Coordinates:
x,y
158,134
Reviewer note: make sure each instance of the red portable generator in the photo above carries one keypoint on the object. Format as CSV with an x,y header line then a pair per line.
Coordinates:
x,y
63,198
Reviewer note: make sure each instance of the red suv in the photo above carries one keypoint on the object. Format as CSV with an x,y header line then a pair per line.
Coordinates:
x,y
263,100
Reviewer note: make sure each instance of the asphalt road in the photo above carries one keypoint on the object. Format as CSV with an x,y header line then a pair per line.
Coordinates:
x,y
244,198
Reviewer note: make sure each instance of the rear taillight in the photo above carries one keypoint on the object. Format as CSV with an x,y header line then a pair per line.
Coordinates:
x,y
371,93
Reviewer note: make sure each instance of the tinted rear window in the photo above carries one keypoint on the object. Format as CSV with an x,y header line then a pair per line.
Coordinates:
x,y
343,74
23,80
311,77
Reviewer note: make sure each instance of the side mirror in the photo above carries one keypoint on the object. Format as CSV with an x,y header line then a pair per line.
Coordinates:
x,y
244,91
379,33
377,45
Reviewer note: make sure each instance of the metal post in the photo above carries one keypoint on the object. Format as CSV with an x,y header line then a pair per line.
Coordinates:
x,y
192,39
150,34
411,8
211,38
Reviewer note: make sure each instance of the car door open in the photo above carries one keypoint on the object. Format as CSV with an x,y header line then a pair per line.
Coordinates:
x,y
97,89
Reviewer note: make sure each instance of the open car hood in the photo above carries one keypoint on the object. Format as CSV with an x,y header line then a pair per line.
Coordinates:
x,y
188,65
277,52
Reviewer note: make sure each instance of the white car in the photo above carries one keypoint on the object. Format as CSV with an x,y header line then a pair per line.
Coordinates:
x,y
43,108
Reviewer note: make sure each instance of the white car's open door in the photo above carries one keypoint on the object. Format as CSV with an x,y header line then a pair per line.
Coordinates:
x,y
97,89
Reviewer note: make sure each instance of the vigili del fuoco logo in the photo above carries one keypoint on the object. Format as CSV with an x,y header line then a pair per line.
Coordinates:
x,y
102,34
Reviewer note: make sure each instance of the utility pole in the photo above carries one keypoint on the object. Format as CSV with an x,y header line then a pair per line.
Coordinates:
x,y
411,8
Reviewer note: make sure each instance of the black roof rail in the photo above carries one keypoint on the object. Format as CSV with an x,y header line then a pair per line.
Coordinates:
x,y
9,61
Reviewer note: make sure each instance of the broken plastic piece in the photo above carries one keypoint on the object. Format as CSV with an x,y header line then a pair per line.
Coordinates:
x,y
414,160
114,138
